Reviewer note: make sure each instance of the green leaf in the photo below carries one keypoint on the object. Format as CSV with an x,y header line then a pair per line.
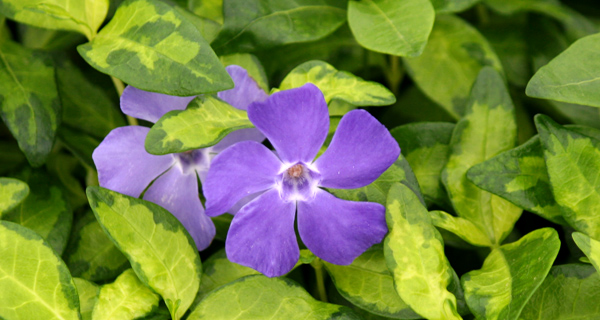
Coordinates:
x,y
261,24
45,210
218,271
210,15
590,247
34,281
368,283
569,292
414,253
90,254
85,106
127,298
204,123
442,6
519,175
251,64
160,250
378,190
336,84
88,295
571,76
398,28
64,167
488,128
512,48
12,192
138,47
463,228
82,145
49,40
573,162
425,146
259,297
510,275
458,52
29,100
84,17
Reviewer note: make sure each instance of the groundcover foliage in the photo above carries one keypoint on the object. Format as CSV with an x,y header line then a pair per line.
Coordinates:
x,y
299,159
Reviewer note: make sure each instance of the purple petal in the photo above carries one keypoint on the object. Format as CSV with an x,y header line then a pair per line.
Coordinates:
x,y
124,165
245,91
295,121
338,230
237,136
246,167
150,106
178,193
360,151
262,235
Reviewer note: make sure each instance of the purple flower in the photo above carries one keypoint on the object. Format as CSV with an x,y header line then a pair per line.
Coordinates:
x,y
296,122
124,165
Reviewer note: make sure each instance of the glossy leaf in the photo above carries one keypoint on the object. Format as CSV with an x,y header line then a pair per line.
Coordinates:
x,y
569,292
510,275
459,52
261,24
414,253
474,140
160,250
34,281
84,17
251,64
259,297
590,247
573,162
204,123
368,283
127,298
461,227
377,191
29,99
45,210
12,192
88,295
572,76
398,28
86,107
519,175
425,146
338,84
219,271
137,46
91,255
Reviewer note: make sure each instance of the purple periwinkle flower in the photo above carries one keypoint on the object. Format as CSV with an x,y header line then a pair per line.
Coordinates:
x,y
124,165
296,122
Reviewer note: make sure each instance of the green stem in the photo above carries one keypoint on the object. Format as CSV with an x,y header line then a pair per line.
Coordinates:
x,y
120,88
483,15
317,264
395,74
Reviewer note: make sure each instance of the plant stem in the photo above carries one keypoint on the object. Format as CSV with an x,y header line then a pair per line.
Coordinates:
x,y
120,88
482,14
317,264
395,74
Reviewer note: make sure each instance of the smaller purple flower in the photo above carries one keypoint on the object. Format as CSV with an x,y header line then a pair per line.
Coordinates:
x,y
296,122
124,165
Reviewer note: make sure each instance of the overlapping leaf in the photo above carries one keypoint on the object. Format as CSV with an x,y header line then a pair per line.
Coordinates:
x,y
338,85
84,17
204,123
161,252
414,253
127,298
450,63
510,275
398,28
590,247
12,192
442,6
88,295
261,24
259,297
34,281
488,128
29,102
153,47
